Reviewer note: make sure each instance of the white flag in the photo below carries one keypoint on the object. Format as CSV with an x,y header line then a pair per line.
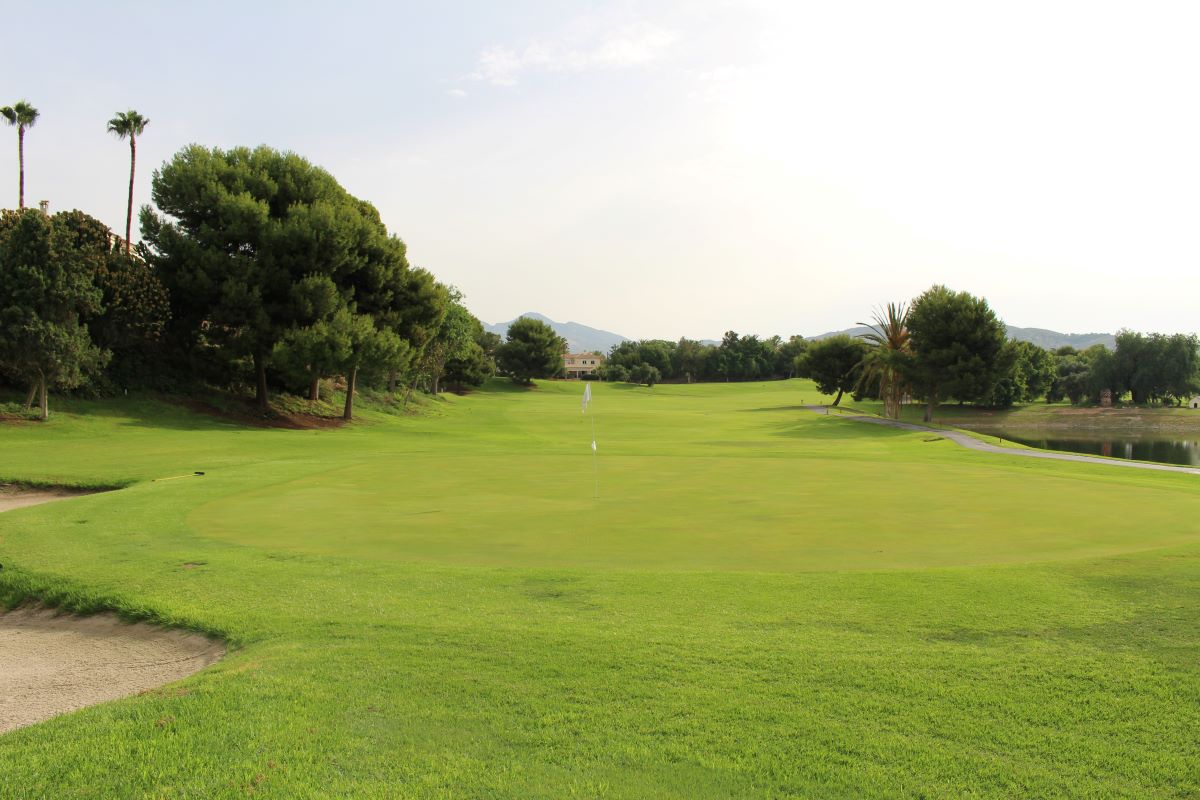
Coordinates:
x,y
587,397
593,445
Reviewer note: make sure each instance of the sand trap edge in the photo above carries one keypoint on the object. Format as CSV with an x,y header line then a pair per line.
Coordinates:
x,y
14,496
52,663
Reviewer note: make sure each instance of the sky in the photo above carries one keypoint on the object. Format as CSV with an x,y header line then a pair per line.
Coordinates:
x,y
667,169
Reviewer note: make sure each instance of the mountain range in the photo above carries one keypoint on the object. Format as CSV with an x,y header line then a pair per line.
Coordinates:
x,y
1051,340
585,339
580,338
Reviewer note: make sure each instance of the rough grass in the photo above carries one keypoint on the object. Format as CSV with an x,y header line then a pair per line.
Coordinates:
x,y
761,602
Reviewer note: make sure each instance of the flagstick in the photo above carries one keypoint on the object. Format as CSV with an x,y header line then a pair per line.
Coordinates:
x,y
595,463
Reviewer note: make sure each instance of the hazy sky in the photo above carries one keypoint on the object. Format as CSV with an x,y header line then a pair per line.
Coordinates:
x,y
677,168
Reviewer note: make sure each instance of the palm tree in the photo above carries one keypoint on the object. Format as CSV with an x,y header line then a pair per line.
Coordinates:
x,y
129,123
22,115
889,356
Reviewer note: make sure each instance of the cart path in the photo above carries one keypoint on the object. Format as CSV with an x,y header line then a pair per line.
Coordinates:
x,y
972,443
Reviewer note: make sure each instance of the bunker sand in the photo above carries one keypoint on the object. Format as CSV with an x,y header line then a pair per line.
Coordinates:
x,y
14,497
51,664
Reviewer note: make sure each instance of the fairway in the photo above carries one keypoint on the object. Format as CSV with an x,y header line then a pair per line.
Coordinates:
x,y
693,479
736,597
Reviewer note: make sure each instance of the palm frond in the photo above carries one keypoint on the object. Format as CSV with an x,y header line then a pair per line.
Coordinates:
x,y
127,124
888,335
20,113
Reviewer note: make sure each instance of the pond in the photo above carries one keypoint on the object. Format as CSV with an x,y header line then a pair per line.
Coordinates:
x,y
1163,449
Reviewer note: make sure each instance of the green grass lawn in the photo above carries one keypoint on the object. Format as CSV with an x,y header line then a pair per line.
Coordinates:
x,y
761,602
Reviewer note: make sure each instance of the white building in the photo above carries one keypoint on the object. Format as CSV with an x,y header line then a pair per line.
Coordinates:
x,y
576,365
1195,402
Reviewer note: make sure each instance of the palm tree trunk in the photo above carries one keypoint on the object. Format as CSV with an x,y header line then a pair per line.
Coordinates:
x,y
891,396
351,380
314,390
21,162
129,209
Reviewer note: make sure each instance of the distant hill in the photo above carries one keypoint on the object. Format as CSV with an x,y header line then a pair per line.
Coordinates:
x,y
580,338
1042,337
1053,339
584,339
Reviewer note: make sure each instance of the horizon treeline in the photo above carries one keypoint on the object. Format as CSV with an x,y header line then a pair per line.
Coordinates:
x,y
258,272
943,346
736,358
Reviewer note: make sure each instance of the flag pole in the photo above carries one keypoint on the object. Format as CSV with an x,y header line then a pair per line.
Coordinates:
x,y
595,463
587,401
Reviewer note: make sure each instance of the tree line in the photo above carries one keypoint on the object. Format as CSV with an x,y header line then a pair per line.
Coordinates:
x,y
256,269
951,346
735,358
1149,368
942,346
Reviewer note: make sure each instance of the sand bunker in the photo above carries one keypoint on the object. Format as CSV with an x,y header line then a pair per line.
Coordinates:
x,y
51,664
18,497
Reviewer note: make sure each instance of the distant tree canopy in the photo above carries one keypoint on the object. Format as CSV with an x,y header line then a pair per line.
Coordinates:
x,y
1072,374
958,347
1151,367
736,358
476,362
455,346
833,364
645,374
1029,374
531,350
950,345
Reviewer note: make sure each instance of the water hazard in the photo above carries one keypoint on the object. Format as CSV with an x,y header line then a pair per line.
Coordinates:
x,y
1181,450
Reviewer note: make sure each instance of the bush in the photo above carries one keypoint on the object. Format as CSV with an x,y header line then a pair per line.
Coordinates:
x,y
645,374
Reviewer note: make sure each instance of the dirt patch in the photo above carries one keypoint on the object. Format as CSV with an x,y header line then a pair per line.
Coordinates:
x,y
251,416
15,496
51,664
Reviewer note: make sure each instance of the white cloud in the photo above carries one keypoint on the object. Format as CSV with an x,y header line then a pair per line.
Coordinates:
x,y
457,93
627,46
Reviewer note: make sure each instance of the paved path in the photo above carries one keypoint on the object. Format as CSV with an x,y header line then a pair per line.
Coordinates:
x,y
976,444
